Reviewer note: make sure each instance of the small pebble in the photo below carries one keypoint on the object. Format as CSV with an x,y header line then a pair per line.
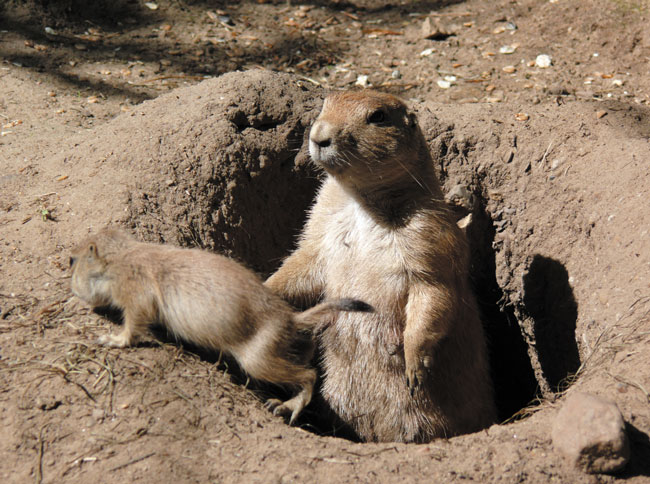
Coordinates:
x,y
427,52
226,20
600,114
522,117
507,49
509,69
465,222
442,84
460,195
396,74
362,81
543,61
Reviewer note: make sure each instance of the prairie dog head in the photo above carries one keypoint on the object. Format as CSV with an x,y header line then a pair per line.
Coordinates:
x,y
89,263
367,139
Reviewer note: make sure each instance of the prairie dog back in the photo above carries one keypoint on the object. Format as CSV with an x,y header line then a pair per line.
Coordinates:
x,y
203,298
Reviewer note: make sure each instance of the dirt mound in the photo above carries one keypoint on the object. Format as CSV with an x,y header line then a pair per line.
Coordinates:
x,y
218,166
559,235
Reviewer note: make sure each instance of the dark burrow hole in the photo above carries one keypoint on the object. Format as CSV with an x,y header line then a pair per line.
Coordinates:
x,y
515,385
524,370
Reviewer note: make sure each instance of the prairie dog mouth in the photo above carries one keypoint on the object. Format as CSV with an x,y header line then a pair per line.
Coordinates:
x,y
323,148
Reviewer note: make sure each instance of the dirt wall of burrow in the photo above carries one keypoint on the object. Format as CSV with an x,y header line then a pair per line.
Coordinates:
x,y
559,237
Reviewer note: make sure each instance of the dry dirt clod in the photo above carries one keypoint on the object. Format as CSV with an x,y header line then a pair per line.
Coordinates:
x,y
433,29
590,431
461,196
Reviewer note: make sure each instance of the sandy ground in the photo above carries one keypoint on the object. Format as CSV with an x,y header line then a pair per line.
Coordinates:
x,y
115,113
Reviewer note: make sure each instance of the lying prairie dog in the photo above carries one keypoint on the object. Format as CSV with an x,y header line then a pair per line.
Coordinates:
x,y
205,299
416,367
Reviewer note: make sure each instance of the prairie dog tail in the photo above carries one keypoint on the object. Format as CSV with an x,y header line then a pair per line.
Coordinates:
x,y
313,319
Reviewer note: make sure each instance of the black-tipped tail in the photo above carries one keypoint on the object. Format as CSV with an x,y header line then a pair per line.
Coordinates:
x,y
321,315
353,305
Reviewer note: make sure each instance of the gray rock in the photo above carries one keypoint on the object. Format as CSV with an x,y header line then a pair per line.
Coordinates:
x,y
459,195
590,432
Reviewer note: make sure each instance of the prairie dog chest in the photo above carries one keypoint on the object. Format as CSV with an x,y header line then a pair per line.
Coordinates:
x,y
362,258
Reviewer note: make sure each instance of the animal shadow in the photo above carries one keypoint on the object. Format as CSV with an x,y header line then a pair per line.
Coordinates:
x,y
639,464
550,303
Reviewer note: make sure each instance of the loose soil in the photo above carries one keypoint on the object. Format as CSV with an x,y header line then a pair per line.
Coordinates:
x,y
184,121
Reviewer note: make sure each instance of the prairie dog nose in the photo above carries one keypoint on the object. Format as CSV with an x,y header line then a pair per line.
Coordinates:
x,y
321,134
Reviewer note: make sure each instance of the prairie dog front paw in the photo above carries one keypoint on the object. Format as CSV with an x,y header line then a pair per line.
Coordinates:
x,y
113,341
417,368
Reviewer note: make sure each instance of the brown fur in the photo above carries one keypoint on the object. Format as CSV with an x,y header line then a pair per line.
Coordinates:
x,y
416,368
202,298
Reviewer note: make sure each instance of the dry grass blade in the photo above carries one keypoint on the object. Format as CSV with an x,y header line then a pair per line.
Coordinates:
x,y
41,449
628,332
132,461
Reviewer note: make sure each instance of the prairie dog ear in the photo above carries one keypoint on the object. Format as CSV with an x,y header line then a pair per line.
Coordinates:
x,y
411,120
92,249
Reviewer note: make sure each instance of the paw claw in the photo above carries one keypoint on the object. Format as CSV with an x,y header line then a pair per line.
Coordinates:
x,y
279,408
415,376
272,404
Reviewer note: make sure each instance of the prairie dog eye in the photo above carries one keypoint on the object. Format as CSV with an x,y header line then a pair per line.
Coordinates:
x,y
72,261
377,117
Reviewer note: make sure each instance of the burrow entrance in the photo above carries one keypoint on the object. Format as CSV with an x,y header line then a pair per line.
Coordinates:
x,y
524,367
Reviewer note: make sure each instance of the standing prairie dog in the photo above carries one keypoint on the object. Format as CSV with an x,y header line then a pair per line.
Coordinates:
x,y
205,299
416,368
